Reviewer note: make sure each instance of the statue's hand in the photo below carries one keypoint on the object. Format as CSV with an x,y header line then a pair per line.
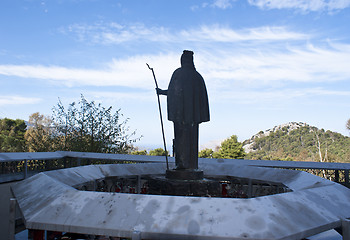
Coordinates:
x,y
161,92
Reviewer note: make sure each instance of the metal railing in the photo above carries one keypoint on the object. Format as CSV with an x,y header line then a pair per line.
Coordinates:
x,y
20,165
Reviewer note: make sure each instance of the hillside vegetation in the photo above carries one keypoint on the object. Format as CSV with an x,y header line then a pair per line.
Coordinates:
x,y
298,142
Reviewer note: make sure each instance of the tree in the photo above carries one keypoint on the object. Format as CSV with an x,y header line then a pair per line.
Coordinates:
x,y
206,153
39,135
90,127
139,152
230,148
12,135
348,124
158,152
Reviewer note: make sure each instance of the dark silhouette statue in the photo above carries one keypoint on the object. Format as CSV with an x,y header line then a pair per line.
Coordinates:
x,y
188,106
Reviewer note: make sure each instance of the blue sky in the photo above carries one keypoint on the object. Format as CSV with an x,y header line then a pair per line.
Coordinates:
x,y
265,62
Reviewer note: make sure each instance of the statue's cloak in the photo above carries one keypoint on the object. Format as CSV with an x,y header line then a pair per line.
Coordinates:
x,y
187,97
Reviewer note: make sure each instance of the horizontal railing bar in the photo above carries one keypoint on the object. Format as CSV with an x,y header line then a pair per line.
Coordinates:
x,y
113,156
20,156
282,164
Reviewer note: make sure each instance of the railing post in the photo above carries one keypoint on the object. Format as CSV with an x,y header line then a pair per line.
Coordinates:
x,y
25,168
138,184
136,235
250,188
12,219
336,177
346,174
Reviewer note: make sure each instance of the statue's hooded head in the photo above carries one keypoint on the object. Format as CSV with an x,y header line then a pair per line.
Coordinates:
x,y
187,59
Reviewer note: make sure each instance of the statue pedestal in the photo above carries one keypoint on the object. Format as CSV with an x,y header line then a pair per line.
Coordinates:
x,y
184,174
198,188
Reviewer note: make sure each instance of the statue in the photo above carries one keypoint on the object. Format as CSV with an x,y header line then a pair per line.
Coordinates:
x,y
187,102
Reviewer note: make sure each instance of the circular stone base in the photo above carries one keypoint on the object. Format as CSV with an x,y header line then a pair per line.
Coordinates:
x,y
184,174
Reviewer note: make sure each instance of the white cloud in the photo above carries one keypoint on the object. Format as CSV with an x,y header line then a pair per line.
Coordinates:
x,y
130,72
303,5
223,4
17,100
276,96
268,61
113,33
225,34
222,67
271,68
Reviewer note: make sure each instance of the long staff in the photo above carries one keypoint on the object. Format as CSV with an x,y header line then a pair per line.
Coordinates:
x,y
161,118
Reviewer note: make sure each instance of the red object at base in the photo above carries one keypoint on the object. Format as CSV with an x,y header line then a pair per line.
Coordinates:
x,y
38,234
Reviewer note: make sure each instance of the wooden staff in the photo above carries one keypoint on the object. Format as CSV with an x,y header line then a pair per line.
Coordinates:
x,y
161,117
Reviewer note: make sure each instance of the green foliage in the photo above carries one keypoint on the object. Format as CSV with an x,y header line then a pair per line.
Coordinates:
x,y
230,148
139,152
154,152
305,143
206,153
90,127
158,152
39,135
12,135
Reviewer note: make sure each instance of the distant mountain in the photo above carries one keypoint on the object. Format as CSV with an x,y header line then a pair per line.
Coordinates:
x,y
300,142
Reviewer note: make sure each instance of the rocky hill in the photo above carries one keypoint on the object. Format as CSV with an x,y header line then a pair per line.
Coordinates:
x,y
298,141
249,145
